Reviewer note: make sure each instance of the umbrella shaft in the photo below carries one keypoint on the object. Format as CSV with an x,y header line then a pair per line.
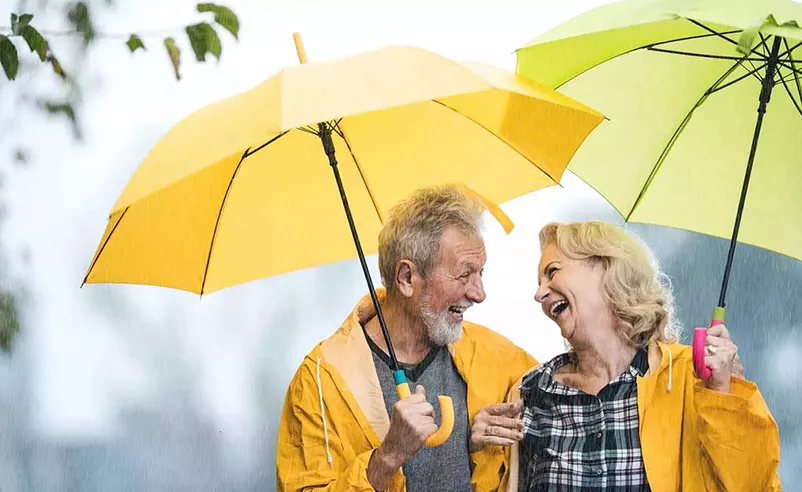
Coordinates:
x,y
324,131
765,96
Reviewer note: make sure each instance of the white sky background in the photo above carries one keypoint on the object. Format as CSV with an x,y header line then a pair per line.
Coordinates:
x,y
92,353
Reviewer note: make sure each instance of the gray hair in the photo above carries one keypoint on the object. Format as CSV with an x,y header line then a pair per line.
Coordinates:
x,y
416,224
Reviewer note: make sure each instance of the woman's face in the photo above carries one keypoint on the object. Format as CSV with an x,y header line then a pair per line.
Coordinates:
x,y
571,293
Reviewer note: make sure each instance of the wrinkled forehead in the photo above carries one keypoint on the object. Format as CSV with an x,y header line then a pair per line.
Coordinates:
x,y
458,247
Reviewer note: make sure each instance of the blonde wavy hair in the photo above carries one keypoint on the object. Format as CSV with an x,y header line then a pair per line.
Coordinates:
x,y
639,293
415,225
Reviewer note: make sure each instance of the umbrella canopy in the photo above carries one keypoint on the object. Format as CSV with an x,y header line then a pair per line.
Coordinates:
x,y
686,85
241,189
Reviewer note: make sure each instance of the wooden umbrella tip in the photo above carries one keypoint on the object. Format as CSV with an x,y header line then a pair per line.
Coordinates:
x,y
299,47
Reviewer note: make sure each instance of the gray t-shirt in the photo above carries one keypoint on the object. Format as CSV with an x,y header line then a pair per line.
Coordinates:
x,y
447,467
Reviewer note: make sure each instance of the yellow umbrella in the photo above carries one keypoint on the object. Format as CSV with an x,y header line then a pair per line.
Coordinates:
x,y
240,189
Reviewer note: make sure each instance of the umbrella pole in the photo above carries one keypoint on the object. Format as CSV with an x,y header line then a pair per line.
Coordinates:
x,y
700,334
402,387
324,131
765,96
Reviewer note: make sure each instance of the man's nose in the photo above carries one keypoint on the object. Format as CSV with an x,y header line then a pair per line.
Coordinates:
x,y
476,291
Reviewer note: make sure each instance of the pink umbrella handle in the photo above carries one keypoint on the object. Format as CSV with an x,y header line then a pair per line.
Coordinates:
x,y
699,338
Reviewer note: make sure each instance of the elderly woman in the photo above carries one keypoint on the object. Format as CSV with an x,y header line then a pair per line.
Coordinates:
x,y
623,410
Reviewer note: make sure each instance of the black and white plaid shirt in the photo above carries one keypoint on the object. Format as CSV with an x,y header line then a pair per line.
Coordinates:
x,y
578,442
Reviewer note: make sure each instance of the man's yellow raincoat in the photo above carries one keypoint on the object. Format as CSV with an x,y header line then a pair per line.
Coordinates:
x,y
692,438
332,453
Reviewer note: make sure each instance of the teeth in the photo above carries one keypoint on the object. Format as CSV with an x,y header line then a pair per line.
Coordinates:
x,y
556,307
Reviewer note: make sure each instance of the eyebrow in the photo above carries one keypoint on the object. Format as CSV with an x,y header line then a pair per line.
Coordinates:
x,y
545,269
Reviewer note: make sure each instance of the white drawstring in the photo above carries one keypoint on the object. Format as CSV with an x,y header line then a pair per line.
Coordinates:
x,y
323,414
670,370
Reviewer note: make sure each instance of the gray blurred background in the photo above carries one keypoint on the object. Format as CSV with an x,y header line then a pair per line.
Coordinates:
x,y
114,387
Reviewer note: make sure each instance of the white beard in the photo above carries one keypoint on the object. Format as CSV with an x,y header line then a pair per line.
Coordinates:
x,y
440,328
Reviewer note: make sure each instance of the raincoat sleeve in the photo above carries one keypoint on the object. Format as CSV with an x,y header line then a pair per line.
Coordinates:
x,y
739,438
304,445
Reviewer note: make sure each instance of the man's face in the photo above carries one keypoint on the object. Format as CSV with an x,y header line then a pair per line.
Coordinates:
x,y
453,285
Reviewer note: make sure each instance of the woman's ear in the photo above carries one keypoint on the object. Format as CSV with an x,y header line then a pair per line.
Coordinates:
x,y
405,271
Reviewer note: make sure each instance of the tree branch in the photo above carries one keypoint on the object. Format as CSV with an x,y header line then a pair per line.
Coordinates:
x,y
98,35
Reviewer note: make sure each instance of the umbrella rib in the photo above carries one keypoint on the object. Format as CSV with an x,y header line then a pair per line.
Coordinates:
x,y
711,32
245,155
103,247
704,55
793,66
714,32
339,131
789,52
675,136
250,152
790,94
687,38
555,181
735,81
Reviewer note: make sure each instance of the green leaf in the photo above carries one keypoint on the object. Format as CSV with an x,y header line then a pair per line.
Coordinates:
x,y
18,22
204,39
20,156
175,55
8,57
60,108
63,109
79,17
35,41
223,16
134,43
9,321
57,68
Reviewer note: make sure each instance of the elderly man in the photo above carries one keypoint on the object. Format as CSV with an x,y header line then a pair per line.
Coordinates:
x,y
343,427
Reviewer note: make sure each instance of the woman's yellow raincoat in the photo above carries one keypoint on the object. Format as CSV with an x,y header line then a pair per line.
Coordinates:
x,y
332,453
692,438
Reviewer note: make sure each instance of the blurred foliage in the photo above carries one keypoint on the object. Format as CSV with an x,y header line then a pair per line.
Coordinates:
x,y
25,45
9,321
202,36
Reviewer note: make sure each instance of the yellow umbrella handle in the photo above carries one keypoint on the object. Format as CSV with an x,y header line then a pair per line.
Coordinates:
x,y
446,411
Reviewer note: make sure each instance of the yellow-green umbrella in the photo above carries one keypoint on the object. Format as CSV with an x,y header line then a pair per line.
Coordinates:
x,y
242,189
680,81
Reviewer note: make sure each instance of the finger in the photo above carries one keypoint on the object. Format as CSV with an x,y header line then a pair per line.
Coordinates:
x,y
494,441
517,407
506,422
719,331
496,431
420,390
737,366
423,409
717,341
500,409
719,361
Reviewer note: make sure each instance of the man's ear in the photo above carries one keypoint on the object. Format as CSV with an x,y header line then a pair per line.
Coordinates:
x,y
405,272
